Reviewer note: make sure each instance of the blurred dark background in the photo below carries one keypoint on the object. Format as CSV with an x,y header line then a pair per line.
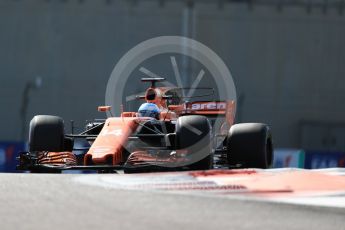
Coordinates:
x,y
287,58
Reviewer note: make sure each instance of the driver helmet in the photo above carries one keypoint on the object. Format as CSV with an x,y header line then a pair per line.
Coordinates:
x,y
149,110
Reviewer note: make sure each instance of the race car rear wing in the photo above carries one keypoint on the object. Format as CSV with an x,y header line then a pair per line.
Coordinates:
x,y
208,108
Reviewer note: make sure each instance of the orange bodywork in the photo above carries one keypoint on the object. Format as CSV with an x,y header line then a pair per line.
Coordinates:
x,y
108,145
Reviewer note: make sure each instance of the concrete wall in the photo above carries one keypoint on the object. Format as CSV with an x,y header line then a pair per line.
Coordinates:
x,y
288,65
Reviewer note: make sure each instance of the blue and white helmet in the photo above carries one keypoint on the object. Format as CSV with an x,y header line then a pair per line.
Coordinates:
x,y
149,110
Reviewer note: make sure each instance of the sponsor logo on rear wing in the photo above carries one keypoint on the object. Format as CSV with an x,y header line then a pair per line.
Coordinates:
x,y
208,108
212,106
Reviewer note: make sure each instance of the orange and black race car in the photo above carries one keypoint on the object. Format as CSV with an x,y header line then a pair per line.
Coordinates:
x,y
197,135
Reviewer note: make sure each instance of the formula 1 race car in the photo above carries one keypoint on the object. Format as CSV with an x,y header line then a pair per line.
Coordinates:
x,y
197,135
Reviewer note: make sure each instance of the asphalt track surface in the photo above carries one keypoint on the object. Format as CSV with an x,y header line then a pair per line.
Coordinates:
x,y
43,201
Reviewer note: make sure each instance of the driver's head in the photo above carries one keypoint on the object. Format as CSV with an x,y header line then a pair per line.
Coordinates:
x,y
149,110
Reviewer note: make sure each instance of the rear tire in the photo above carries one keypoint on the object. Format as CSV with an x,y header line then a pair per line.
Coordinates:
x,y
193,133
47,134
250,145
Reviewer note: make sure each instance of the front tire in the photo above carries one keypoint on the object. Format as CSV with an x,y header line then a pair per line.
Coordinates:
x,y
47,134
193,133
250,145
